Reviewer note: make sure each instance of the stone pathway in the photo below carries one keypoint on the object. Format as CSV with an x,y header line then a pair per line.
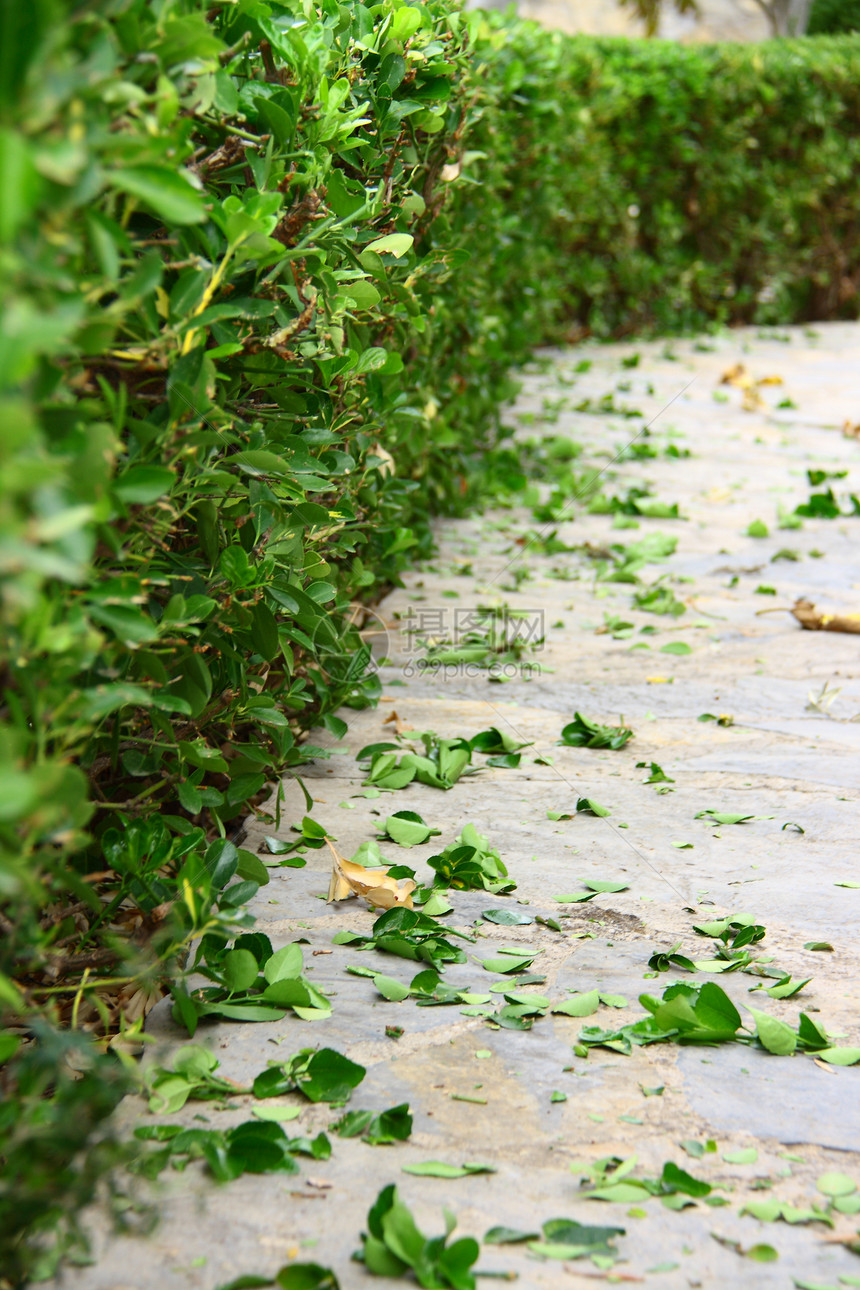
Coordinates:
x,y
740,20
789,758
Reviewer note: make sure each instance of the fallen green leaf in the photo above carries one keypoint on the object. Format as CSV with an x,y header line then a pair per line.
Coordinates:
x,y
439,1169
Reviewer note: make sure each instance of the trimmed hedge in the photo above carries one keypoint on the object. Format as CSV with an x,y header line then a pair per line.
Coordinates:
x,y
829,17
672,187
266,268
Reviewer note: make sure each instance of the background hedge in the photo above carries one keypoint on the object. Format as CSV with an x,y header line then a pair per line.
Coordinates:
x,y
664,186
827,17
266,268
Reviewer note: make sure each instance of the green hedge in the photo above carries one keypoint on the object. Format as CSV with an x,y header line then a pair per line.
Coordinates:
x,y
266,267
829,17
669,187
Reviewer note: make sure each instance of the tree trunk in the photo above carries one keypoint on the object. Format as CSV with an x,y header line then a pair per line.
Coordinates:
x,y
786,17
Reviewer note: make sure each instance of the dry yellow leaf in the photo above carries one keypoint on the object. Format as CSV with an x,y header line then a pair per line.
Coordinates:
x,y
752,400
815,621
387,466
740,377
737,375
374,885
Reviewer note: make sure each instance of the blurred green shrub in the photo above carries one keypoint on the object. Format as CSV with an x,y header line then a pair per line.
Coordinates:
x,y
56,1099
668,187
831,17
265,269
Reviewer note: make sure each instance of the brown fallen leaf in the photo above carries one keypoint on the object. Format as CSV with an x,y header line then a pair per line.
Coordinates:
x,y
850,1239
319,1184
814,621
399,726
851,429
824,1066
374,885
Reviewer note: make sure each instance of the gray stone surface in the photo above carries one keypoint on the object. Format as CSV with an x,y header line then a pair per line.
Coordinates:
x,y
741,20
782,760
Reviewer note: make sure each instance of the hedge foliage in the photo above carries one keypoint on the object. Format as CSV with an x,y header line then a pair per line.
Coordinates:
x,y
685,185
266,267
829,17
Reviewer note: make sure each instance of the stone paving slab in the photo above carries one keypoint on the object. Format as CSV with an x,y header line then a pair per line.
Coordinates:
x,y
781,760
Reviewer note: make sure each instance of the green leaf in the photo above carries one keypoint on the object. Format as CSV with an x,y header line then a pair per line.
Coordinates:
x,y
585,733
579,1005
436,906
787,988
407,829
369,855
329,1076
775,1035
391,989
507,917
559,1250
621,1193
141,485
20,182
284,964
264,631
396,244
221,862
715,1009
251,868
762,1253
723,817
439,1169
835,1184
677,1179
275,1112
507,963
239,970
839,1056
364,294
743,1156
306,1276
588,806
9,1045
166,191
676,647
508,1236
